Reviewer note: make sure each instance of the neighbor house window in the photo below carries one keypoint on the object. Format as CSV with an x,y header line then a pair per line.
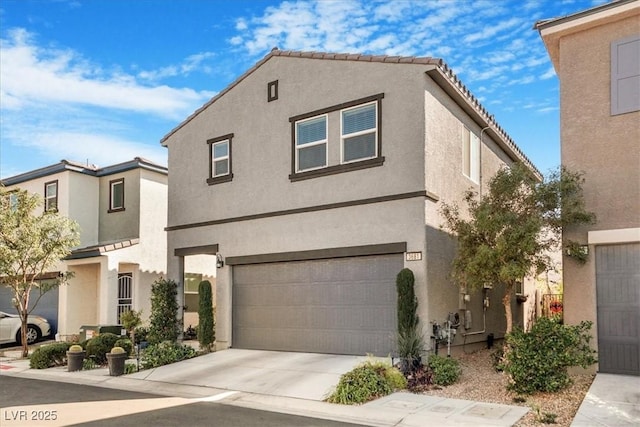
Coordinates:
x,y
51,196
359,133
220,159
12,198
116,195
311,143
625,75
341,138
470,155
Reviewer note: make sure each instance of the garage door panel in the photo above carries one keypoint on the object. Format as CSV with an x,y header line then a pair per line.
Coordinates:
x,y
344,306
618,295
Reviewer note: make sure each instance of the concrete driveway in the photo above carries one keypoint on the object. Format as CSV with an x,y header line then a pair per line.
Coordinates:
x,y
300,375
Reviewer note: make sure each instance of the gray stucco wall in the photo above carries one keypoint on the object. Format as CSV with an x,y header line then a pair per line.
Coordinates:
x,y
420,125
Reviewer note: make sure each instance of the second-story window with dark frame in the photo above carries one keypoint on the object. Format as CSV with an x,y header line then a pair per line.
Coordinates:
x,y
220,156
51,196
116,195
315,152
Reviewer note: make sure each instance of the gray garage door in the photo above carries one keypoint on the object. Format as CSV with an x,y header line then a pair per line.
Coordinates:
x,y
339,306
47,307
618,291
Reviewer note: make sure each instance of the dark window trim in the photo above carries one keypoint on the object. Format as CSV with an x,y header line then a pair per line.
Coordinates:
x,y
341,168
317,208
222,178
45,194
111,208
272,91
197,250
343,252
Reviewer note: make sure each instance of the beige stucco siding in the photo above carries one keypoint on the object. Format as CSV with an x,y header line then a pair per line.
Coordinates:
x,y
606,148
85,207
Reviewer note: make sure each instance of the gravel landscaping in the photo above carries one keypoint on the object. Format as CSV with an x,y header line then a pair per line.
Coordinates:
x,y
480,382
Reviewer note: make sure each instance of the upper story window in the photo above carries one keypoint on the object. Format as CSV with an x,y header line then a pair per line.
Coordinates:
x,y
359,133
51,196
625,75
355,143
116,195
470,155
220,159
311,143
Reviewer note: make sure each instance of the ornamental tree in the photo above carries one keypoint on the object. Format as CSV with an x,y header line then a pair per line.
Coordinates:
x,y
509,231
31,245
206,324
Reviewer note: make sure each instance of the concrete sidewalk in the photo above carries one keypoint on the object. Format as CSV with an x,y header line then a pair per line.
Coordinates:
x,y
612,401
292,383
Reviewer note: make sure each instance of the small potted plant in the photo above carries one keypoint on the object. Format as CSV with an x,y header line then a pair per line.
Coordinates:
x,y
75,358
116,359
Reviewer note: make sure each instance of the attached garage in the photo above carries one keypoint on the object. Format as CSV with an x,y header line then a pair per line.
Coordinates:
x,y
618,294
340,305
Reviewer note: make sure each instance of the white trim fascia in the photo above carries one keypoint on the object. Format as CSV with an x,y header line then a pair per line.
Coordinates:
x,y
621,235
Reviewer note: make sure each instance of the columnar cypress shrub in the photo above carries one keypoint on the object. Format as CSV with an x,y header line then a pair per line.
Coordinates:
x,y
206,323
407,302
164,311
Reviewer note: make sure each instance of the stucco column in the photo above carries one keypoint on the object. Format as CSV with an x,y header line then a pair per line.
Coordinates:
x,y
108,291
223,308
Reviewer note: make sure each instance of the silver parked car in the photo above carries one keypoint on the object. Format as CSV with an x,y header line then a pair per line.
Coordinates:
x,y
10,325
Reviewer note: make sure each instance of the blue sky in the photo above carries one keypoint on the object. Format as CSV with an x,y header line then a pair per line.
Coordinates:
x,y
103,81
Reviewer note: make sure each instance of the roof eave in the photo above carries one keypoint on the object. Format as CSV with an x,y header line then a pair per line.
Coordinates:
x,y
446,80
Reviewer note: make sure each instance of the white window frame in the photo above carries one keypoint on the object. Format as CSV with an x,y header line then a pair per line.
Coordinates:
x,y
472,153
48,199
112,185
215,159
324,141
373,130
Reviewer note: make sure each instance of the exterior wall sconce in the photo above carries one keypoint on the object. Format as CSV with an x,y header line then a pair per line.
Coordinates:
x,y
219,261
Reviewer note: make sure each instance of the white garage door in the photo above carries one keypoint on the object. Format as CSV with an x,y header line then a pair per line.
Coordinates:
x,y
339,306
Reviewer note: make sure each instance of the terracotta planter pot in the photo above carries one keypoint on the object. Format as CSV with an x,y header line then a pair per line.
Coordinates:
x,y
75,360
116,363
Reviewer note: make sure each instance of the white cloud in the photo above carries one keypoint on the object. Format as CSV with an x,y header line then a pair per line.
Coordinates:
x,y
30,73
551,72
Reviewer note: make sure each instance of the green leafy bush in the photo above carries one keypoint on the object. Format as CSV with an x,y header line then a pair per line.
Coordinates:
x,y
445,370
165,353
48,356
206,331
130,368
99,346
141,334
164,310
126,344
538,360
366,382
410,336
88,364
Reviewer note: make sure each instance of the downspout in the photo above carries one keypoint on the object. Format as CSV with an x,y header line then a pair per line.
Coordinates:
x,y
480,158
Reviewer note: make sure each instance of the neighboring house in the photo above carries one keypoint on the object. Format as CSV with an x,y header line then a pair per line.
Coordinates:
x,y
315,178
596,55
121,210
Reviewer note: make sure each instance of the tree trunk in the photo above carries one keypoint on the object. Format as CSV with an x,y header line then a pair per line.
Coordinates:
x,y
506,301
23,335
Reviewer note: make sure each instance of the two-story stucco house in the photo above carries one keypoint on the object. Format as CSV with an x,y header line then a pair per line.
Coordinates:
x,y
121,210
315,178
596,55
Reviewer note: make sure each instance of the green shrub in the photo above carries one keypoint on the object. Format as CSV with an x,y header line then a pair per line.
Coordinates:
x,y
130,368
141,333
366,382
100,345
164,311
88,364
130,320
48,356
126,344
538,360
410,339
165,353
206,325
445,370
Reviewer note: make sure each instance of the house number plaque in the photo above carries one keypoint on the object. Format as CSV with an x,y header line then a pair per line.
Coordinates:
x,y
414,256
